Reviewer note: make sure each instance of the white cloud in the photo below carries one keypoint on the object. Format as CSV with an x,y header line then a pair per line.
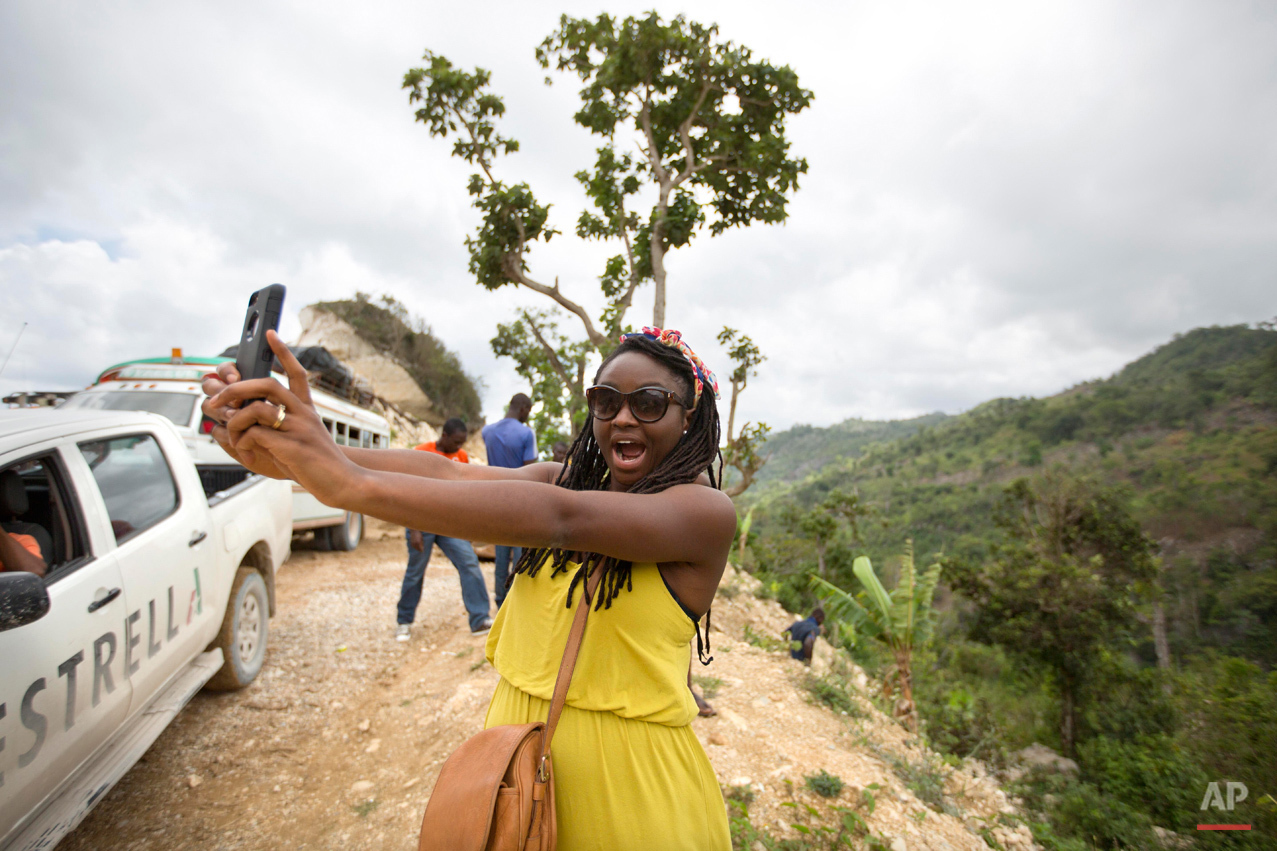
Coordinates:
x,y
1004,198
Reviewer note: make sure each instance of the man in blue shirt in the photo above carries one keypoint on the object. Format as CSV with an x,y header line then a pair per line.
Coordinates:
x,y
510,443
803,635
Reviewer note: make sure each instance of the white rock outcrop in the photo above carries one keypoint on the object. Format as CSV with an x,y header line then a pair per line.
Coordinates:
x,y
391,380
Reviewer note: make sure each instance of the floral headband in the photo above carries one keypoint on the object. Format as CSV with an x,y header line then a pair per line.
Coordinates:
x,y
674,340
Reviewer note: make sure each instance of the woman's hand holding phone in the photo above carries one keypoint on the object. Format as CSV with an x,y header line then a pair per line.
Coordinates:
x,y
246,413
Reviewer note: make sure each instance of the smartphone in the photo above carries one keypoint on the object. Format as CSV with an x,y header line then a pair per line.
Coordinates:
x,y
254,356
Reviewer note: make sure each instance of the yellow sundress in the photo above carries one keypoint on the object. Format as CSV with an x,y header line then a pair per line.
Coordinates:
x,y
629,772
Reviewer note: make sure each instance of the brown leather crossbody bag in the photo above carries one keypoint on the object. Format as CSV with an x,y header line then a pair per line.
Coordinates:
x,y
496,791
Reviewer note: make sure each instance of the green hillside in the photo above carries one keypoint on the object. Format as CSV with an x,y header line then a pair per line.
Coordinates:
x,y
802,450
1181,444
1189,430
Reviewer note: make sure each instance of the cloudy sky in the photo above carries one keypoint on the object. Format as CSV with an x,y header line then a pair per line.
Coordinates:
x,y
1004,198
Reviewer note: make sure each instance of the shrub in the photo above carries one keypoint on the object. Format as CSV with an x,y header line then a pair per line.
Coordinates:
x,y
1151,774
833,693
1079,811
709,685
923,778
824,784
766,642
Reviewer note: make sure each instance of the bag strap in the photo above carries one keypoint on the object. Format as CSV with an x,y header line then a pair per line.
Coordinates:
x,y
564,678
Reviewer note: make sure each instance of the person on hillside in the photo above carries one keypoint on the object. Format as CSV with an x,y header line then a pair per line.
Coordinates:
x,y
803,635
510,444
560,452
474,591
638,501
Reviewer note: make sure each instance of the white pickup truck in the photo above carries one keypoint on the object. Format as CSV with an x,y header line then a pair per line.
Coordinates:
x,y
154,589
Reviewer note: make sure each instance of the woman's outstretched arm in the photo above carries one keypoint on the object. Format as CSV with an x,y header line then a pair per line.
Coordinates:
x,y
432,466
407,461
687,523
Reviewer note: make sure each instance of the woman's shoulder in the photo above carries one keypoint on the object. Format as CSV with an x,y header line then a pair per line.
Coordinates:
x,y
709,502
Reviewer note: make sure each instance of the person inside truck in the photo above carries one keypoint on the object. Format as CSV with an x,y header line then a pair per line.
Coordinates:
x,y
20,546
636,508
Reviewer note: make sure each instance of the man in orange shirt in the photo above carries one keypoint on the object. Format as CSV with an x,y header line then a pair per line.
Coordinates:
x,y
474,591
18,550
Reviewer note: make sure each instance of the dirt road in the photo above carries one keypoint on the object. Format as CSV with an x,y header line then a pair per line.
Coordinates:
x,y
338,743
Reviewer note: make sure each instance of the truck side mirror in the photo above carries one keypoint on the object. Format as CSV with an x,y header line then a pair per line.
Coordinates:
x,y
23,599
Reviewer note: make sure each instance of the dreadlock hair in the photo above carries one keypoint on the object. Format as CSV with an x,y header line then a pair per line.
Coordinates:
x,y
585,469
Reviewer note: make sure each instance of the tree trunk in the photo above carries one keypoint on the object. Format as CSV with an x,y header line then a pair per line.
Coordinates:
x,y
747,478
1067,709
658,259
820,560
1160,644
731,412
658,278
904,708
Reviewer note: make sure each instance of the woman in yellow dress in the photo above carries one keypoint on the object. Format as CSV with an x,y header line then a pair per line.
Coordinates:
x,y
637,499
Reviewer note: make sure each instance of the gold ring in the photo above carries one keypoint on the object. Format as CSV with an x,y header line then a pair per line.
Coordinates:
x,y
279,420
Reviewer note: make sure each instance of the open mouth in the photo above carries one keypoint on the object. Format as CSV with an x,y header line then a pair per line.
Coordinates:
x,y
628,454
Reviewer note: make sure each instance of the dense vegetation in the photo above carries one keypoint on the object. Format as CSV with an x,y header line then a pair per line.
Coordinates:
x,y
387,326
1109,583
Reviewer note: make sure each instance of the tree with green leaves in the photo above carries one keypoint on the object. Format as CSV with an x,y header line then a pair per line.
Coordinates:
x,y
741,450
821,525
692,132
902,621
1065,583
554,368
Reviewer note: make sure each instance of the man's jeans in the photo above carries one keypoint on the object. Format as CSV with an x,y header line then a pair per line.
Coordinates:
x,y
474,593
507,559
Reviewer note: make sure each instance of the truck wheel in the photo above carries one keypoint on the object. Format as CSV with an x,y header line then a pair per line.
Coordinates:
x,y
348,535
243,634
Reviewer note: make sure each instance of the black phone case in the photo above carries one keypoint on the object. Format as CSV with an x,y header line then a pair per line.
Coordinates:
x,y
253,358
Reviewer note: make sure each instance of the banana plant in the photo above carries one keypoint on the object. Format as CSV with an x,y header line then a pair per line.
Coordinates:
x,y
744,534
901,621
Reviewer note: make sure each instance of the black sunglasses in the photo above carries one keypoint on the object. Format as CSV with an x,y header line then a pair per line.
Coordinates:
x,y
647,404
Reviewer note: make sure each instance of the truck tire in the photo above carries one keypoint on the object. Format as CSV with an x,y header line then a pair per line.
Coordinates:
x,y
243,634
346,536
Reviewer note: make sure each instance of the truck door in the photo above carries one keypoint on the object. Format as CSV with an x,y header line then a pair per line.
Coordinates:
x,y
163,547
63,691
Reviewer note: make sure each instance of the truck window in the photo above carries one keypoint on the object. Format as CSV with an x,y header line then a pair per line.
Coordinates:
x,y
176,407
328,424
341,434
44,512
354,437
136,483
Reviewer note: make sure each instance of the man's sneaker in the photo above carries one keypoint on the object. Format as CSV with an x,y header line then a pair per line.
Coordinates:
x,y
403,632
483,627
